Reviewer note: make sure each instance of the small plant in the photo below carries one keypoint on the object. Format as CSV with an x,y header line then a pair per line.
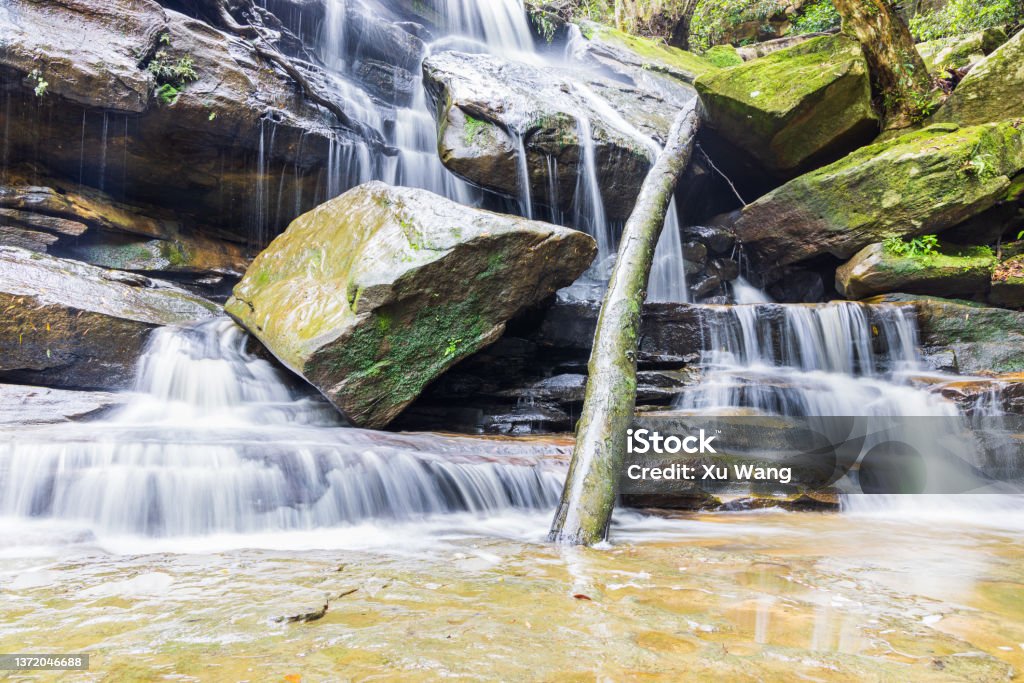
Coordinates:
x,y
473,128
542,22
817,17
453,346
41,83
171,75
922,246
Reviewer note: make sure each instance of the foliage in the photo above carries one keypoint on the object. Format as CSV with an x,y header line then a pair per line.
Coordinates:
x,y
917,247
171,75
817,17
958,17
713,18
652,18
41,83
543,24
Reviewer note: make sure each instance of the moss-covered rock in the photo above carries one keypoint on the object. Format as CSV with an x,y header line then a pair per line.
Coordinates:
x,y
70,325
796,105
951,271
957,52
921,183
992,91
615,49
494,115
373,295
723,56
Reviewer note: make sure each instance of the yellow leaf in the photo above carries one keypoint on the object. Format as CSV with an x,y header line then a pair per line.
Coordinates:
x,y
293,678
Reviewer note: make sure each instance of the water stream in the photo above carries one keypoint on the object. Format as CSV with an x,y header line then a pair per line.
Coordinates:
x,y
214,441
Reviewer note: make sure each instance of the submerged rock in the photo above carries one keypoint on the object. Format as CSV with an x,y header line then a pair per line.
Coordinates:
x,y
794,106
962,272
992,91
67,324
921,183
375,294
495,116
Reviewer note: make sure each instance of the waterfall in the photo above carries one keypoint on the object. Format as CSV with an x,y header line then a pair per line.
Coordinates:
x,y
215,442
813,360
498,27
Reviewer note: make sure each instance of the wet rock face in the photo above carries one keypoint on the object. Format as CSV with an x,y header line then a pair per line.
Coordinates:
x,y
992,90
796,105
23,405
921,183
966,338
105,118
69,221
488,109
375,294
71,325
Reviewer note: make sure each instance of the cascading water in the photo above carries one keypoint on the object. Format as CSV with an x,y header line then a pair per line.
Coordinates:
x,y
501,28
813,360
215,442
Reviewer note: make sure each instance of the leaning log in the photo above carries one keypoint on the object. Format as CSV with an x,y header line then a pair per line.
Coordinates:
x,y
590,490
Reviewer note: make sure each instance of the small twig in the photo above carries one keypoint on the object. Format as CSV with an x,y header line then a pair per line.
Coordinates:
x,y
719,172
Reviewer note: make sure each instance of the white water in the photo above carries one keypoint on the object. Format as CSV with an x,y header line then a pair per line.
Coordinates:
x,y
499,27
215,443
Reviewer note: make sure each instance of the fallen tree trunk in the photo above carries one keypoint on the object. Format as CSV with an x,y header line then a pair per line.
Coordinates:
x,y
589,495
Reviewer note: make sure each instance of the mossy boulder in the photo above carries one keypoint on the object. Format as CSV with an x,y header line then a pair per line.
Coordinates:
x,y
920,183
494,116
950,271
992,91
945,55
617,50
794,106
71,325
373,295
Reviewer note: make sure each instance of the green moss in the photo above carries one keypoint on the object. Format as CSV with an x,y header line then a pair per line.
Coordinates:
x,y
655,55
723,56
473,128
782,80
402,358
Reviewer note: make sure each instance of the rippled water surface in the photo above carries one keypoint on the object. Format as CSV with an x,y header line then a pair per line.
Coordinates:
x,y
772,595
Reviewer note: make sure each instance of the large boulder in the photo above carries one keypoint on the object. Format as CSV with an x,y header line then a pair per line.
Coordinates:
x,y
215,130
373,295
992,91
71,325
951,271
795,106
921,183
494,115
